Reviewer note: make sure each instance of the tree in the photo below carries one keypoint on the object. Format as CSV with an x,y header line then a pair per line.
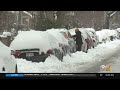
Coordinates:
x,y
108,16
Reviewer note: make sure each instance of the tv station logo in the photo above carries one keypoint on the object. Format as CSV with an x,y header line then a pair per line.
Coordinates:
x,y
105,68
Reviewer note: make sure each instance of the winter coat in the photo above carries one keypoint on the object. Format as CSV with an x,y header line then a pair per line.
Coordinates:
x,y
78,38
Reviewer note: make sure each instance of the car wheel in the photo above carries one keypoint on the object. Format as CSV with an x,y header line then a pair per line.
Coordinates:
x,y
16,69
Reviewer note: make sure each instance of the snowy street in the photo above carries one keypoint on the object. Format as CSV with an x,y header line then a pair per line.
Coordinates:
x,y
79,62
59,41
113,60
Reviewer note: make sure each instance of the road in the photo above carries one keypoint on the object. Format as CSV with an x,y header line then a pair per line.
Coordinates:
x,y
112,59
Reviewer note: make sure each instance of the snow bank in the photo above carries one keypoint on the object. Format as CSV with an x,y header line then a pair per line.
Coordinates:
x,y
4,50
6,59
2,36
118,29
6,33
71,64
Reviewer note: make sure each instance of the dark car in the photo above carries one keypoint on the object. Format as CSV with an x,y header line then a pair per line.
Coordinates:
x,y
36,46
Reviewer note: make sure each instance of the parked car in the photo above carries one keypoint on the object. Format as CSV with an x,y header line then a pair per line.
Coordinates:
x,y
36,46
70,39
63,40
118,33
8,63
106,35
89,38
92,33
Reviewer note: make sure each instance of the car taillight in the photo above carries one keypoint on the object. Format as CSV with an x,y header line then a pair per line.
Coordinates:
x,y
17,53
50,51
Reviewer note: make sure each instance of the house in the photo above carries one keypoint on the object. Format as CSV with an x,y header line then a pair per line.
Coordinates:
x,y
14,19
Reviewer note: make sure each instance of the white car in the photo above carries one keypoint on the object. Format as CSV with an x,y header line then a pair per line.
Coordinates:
x,y
105,35
65,41
93,36
35,46
7,60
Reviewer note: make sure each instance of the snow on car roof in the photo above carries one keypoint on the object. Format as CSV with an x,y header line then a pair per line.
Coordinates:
x,y
109,32
82,30
105,33
34,39
56,33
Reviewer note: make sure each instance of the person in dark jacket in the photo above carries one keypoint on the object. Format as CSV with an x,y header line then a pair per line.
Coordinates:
x,y
78,39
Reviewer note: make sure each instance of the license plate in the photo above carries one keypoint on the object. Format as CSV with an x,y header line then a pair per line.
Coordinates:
x,y
29,54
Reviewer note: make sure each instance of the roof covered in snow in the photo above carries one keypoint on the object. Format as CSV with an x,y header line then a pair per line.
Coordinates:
x,y
6,33
28,13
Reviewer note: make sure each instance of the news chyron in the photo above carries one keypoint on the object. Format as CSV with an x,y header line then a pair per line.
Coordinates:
x,y
104,72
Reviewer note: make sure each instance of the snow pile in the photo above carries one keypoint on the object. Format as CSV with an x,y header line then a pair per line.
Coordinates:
x,y
77,62
6,59
4,50
118,29
6,33
2,36
34,39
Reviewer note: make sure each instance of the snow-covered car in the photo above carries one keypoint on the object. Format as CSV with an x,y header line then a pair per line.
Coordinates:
x,y
86,38
92,33
118,33
35,46
70,39
106,35
8,63
62,39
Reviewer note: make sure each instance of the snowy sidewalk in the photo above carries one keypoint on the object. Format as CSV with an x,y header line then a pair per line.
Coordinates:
x,y
77,63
